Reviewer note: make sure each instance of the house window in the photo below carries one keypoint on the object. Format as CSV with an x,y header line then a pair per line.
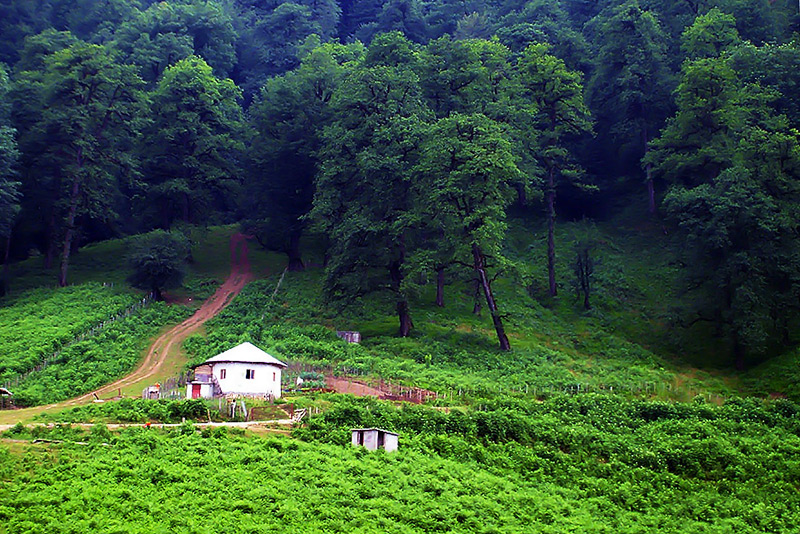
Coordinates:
x,y
222,373
273,377
249,374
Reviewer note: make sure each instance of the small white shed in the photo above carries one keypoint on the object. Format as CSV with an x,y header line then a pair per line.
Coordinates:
x,y
374,439
243,370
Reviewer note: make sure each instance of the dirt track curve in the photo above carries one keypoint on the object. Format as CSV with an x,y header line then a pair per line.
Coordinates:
x,y
159,351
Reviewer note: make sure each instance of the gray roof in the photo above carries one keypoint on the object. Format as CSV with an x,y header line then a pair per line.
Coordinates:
x,y
246,353
373,429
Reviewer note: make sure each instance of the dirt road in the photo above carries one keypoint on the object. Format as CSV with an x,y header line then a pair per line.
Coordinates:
x,y
160,351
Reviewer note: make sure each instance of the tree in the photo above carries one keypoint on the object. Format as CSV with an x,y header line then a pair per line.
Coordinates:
x,y
168,32
557,111
544,21
734,169
288,118
9,187
466,176
86,112
192,143
158,261
585,243
630,88
363,199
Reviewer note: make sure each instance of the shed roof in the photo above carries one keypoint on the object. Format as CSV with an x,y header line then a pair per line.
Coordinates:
x,y
375,429
246,353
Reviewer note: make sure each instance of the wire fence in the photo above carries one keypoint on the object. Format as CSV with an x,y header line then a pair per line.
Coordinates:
x,y
50,359
467,393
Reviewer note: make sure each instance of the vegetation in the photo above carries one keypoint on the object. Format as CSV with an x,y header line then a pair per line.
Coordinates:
x,y
572,463
39,322
90,363
158,261
436,174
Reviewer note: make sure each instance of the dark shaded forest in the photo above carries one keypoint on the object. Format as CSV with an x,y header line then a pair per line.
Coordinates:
x,y
401,135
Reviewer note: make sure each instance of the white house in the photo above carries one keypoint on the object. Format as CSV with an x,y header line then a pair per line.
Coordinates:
x,y
242,370
374,438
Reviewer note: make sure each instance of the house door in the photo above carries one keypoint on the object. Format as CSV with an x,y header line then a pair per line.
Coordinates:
x,y
195,391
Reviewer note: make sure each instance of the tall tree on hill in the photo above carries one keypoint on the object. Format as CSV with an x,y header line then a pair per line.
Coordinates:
x,y
631,85
192,143
734,169
87,111
158,261
466,177
9,187
557,112
364,199
288,118
168,32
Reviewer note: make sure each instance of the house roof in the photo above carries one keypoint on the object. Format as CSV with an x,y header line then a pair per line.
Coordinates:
x,y
246,353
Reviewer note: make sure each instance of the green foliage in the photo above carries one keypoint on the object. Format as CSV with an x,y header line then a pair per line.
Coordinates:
x,y
9,194
88,364
192,143
39,322
132,411
587,462
158,261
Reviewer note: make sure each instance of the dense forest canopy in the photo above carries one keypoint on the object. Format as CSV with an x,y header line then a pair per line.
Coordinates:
x,y
403,132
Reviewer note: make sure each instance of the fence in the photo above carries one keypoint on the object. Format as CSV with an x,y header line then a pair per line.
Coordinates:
x,y
464,394
144,302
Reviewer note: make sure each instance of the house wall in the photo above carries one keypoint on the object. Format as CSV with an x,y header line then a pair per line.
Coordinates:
x,y
267,379
391,443
206,390
371,440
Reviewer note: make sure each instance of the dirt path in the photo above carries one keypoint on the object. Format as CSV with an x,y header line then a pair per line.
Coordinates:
x,y
343,385
159,351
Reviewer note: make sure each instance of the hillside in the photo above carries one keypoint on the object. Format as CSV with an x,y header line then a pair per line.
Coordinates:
x,y
593,423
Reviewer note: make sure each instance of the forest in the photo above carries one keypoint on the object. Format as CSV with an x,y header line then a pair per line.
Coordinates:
x,y
574,223
400,136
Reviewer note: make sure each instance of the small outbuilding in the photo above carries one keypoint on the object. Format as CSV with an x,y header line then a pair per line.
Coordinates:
x,y
244,370
374,439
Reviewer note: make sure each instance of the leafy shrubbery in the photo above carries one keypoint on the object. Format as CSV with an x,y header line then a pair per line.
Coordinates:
x,y
89,364
132,411
41,321
575,464
450,351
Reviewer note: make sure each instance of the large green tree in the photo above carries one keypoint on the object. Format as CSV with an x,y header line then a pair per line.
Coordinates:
x,y
364,197
466,181
168,32
158,261
734,169
556,112
9,187
85,112
630,88
192,144
288,118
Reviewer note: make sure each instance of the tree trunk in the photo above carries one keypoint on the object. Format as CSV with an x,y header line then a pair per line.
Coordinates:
x,y
476,307
440,287
480,270
648,169
551,232
396,276
50,246
4,278
738,352
186,212
70,233
293,251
